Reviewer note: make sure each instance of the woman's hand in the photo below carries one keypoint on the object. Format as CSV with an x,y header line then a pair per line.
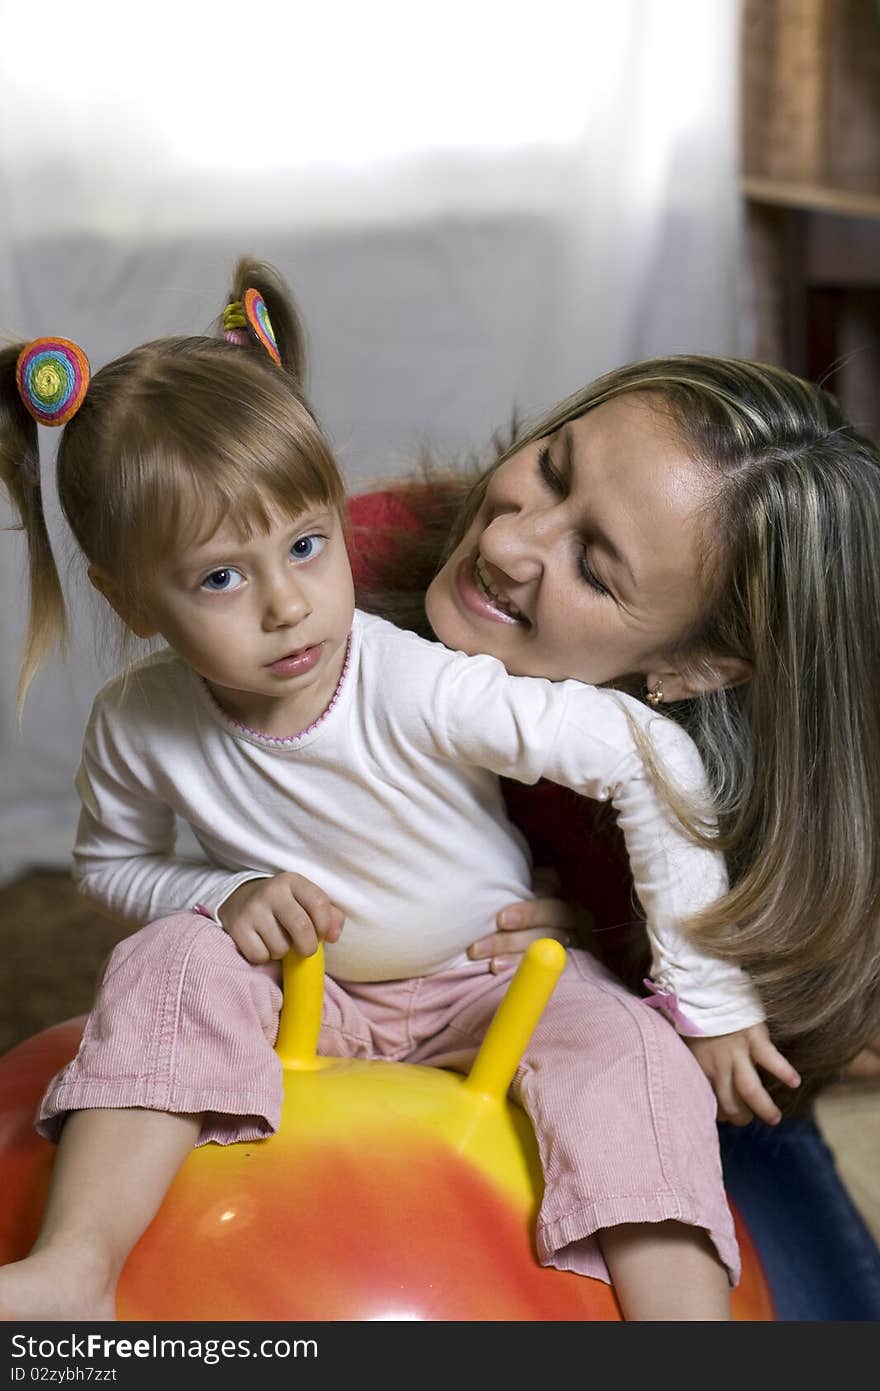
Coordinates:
x,y
520,924
731,1062
266,917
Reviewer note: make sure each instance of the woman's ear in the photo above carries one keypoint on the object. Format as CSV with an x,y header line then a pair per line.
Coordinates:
x,y
716,675
137,622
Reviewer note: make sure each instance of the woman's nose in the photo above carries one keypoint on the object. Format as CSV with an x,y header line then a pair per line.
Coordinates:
x,y
517,543
285,604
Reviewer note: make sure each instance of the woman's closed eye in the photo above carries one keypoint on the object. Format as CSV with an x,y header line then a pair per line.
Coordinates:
x,y
549,474
552,480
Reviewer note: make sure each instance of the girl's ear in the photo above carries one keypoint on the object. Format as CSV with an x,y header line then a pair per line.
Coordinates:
x,y
137,622
715,676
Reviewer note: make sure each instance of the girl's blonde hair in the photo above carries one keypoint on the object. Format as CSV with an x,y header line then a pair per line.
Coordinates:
x,y
792,585
172,439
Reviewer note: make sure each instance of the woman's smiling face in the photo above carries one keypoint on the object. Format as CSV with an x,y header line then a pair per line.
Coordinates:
x,y
585,558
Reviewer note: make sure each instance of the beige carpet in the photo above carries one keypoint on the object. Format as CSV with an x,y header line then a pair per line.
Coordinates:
x,y
54,949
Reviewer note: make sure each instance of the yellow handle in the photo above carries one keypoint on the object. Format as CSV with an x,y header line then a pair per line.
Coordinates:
x,y
515,1019
300,1023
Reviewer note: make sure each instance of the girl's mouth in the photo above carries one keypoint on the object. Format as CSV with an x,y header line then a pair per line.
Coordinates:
x,y
296,662
479,594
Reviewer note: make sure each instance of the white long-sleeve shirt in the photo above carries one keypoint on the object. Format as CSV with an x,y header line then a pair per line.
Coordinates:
x,y
390,803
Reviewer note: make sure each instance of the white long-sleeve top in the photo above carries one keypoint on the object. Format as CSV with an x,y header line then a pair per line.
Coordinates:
x,y
390,803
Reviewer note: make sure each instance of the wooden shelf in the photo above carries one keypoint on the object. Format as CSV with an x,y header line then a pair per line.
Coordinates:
x,y
841,202
810,187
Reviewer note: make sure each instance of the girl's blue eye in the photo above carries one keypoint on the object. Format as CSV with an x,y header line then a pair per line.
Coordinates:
x,y
305,547
221,581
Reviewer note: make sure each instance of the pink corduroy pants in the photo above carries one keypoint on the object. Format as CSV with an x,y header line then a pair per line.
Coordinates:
x,y
623,1115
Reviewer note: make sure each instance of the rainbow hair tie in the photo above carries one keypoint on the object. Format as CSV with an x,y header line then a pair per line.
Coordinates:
x,y
257,315
247,318
52,376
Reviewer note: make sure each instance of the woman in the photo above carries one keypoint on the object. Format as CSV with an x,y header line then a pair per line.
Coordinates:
x,y
777,675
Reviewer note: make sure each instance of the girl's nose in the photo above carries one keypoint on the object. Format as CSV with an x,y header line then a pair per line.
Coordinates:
x,y
285,604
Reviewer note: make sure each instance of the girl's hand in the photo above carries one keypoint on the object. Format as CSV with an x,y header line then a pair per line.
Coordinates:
x,y
522,923
267,917
731,1061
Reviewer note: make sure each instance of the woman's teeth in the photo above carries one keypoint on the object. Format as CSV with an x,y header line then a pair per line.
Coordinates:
x,y
494,596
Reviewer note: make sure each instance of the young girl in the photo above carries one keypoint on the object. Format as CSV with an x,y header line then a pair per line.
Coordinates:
x,y
339,775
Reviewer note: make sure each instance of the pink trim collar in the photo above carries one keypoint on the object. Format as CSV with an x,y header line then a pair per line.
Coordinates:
x,y
282,740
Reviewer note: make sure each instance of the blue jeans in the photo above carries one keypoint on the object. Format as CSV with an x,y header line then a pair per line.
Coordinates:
x,y
821,1261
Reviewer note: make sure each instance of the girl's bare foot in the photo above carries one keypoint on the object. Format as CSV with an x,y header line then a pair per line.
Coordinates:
x,y
51,1284
111,1172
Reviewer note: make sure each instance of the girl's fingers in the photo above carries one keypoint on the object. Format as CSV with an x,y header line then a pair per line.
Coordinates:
x,y
310,902
251,946
273,936
286,912
730,1107
298,928
751,1090
770,1058
337,922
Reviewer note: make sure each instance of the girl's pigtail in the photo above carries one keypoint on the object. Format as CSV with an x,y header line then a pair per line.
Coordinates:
x,y
20,473
286,323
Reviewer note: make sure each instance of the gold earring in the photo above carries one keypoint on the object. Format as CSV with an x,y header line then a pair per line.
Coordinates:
x,y
655,697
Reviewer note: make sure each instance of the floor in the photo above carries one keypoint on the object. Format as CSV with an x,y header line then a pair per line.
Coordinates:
x,y
54,949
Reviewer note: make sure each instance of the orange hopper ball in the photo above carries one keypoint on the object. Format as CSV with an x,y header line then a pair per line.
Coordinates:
x,y
391,1191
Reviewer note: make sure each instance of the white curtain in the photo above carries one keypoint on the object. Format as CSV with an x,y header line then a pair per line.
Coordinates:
x,y
479,205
